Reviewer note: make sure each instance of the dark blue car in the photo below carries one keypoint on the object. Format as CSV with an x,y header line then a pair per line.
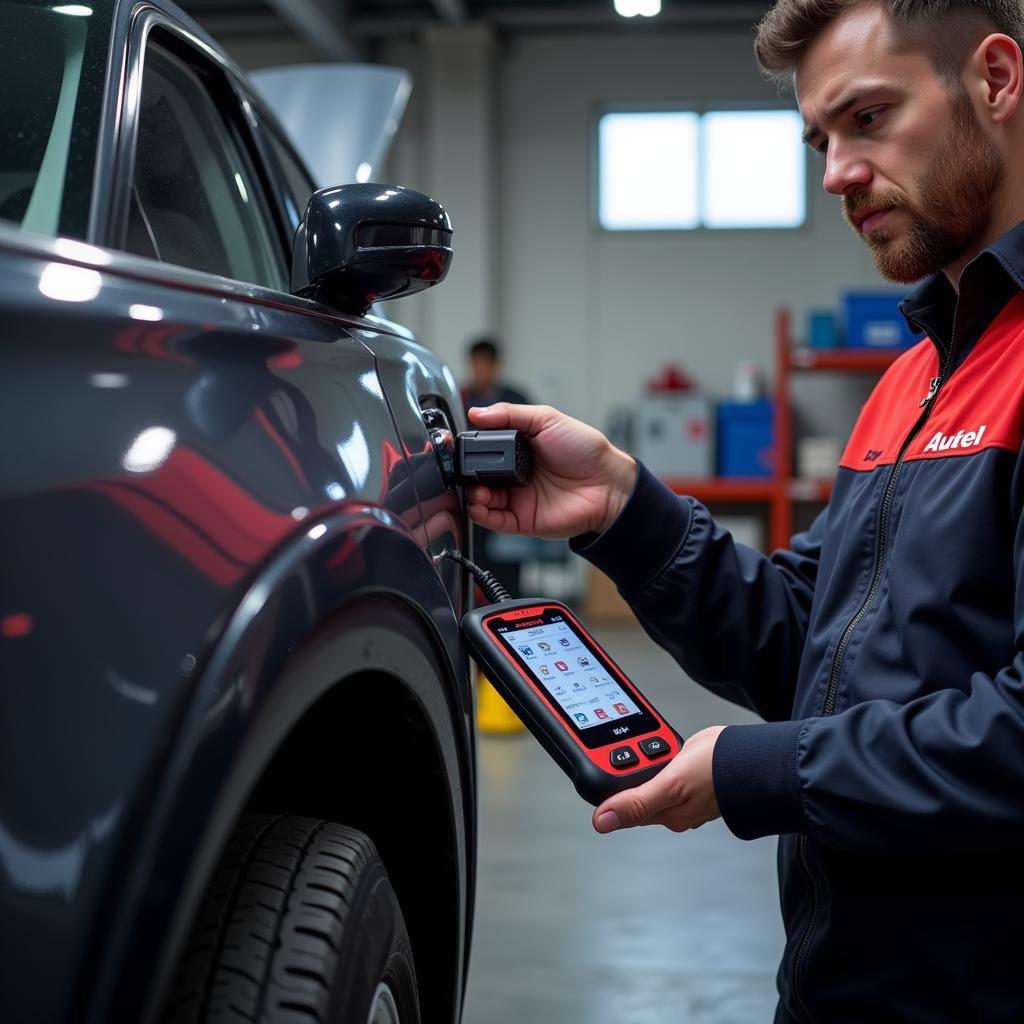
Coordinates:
x,y
237,775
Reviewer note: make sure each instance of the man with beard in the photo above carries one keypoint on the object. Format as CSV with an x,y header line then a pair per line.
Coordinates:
x,y
885,648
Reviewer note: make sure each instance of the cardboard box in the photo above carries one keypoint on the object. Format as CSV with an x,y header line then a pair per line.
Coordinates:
x,y
602,602
673,435
817,458
748,530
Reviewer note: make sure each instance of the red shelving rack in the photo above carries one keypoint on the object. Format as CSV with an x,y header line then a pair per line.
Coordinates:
x,y
782,490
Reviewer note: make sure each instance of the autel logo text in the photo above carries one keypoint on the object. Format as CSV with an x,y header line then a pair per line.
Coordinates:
x,y
961,439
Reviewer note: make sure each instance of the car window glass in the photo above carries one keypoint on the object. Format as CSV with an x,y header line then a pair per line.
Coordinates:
x,y
41,54
299,182
195,201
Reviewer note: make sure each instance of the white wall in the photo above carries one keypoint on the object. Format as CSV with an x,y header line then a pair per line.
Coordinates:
x,y
587,315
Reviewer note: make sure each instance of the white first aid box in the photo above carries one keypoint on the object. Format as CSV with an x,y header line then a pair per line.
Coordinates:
x,y
672,435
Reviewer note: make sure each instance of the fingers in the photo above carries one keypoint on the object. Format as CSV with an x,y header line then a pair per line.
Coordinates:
x,y
658,802
483,495
531,419
499,520
489,509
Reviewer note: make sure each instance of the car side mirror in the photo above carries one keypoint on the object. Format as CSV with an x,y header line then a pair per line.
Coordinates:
x,y
360,244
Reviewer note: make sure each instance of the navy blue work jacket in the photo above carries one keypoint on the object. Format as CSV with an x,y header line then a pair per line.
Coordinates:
x,y
885,650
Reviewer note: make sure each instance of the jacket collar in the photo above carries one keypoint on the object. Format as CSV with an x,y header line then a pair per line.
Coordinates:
x,y
987,283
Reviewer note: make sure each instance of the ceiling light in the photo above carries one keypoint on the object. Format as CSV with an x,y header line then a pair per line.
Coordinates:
x,y
643,8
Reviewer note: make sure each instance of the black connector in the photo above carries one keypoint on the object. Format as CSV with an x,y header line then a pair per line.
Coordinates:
x,y
486,580
497,458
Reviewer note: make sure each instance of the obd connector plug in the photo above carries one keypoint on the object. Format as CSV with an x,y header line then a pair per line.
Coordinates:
x,y
497,458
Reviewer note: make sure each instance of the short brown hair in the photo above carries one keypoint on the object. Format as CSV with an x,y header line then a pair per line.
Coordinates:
x,y
946,29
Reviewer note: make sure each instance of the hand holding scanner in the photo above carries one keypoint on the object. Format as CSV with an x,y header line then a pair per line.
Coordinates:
x,y
602,732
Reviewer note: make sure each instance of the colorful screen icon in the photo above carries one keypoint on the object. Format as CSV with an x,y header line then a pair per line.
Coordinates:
x,y
600,712
621,708
561,666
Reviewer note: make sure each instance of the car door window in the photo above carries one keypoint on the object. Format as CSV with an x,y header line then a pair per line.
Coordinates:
x,y
195,200
300,185
52,67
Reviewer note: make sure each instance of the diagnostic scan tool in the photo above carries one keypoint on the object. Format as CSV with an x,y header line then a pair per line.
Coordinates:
x,y
588,716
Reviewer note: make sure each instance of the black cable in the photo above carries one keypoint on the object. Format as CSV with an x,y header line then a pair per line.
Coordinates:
x,y
488,583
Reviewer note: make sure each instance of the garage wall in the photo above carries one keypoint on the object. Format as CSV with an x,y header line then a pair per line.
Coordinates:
x,y
587,315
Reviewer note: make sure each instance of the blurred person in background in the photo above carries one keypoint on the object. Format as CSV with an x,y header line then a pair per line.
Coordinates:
x,y
502,555
485,385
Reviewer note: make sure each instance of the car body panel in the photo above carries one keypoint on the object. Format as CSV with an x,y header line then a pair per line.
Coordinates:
x,y
199,477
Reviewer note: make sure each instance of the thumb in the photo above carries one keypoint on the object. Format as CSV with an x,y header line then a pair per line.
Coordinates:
x,y
496,415
639,806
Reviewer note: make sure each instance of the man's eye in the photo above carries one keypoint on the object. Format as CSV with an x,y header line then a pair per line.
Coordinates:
x,y
868,117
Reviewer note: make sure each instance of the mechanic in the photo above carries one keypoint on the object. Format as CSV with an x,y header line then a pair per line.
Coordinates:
x,y
885,648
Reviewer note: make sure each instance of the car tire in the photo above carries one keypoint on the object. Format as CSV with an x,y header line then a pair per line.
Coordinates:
x,y
299,924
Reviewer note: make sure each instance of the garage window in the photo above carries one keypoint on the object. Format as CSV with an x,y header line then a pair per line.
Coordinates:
x,y
681,170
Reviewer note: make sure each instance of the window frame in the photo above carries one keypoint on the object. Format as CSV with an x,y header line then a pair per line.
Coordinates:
x,y
234,108
700,109
271,134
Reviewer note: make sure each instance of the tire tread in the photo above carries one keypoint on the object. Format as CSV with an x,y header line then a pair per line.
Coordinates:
x,y
265,944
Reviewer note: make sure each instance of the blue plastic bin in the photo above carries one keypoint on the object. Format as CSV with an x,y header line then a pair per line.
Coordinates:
x,y
822,330
745,445
874,320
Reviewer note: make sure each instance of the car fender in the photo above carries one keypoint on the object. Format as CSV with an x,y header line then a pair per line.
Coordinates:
x,y
324,590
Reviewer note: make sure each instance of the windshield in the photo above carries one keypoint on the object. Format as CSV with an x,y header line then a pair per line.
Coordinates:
x,y
47,146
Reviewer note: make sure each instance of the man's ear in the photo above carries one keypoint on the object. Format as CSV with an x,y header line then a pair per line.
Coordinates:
x,y
995,78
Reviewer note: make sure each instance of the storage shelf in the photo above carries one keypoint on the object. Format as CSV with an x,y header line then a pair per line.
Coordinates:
x,y
800,489
726,489
739,490
843,360
782,490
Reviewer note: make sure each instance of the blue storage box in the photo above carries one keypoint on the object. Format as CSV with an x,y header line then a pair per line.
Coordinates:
x,y
745,445
821,331
874,320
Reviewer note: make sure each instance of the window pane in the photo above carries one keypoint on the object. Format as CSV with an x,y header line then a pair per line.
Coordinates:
x,y
197,202
648,171
299,182
41,53
753,169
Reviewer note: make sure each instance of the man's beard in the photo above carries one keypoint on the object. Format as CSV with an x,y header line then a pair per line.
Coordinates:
x,y
952,211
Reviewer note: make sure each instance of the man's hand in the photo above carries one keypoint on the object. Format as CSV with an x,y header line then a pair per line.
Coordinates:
x,y
580,479
680,797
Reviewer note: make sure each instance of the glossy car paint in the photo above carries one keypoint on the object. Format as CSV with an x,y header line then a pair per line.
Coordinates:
x,y
204,487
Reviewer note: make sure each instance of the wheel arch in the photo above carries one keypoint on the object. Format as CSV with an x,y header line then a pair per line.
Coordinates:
x,y
400,784
297,647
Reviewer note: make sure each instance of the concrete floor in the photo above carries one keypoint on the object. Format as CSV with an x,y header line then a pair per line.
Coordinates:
x,y
639,927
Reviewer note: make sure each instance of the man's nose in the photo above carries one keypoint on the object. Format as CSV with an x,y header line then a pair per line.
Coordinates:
x,y
845,171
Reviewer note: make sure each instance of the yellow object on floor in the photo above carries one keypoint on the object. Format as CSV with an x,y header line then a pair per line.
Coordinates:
x,y
492,713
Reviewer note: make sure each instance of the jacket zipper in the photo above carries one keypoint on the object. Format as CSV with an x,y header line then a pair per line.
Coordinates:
x,y
828,705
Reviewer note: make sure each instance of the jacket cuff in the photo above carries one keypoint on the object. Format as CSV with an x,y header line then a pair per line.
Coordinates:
x,y
754,772
644,537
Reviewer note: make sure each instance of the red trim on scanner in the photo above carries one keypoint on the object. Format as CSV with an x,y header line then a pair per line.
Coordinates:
x,y
598,756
